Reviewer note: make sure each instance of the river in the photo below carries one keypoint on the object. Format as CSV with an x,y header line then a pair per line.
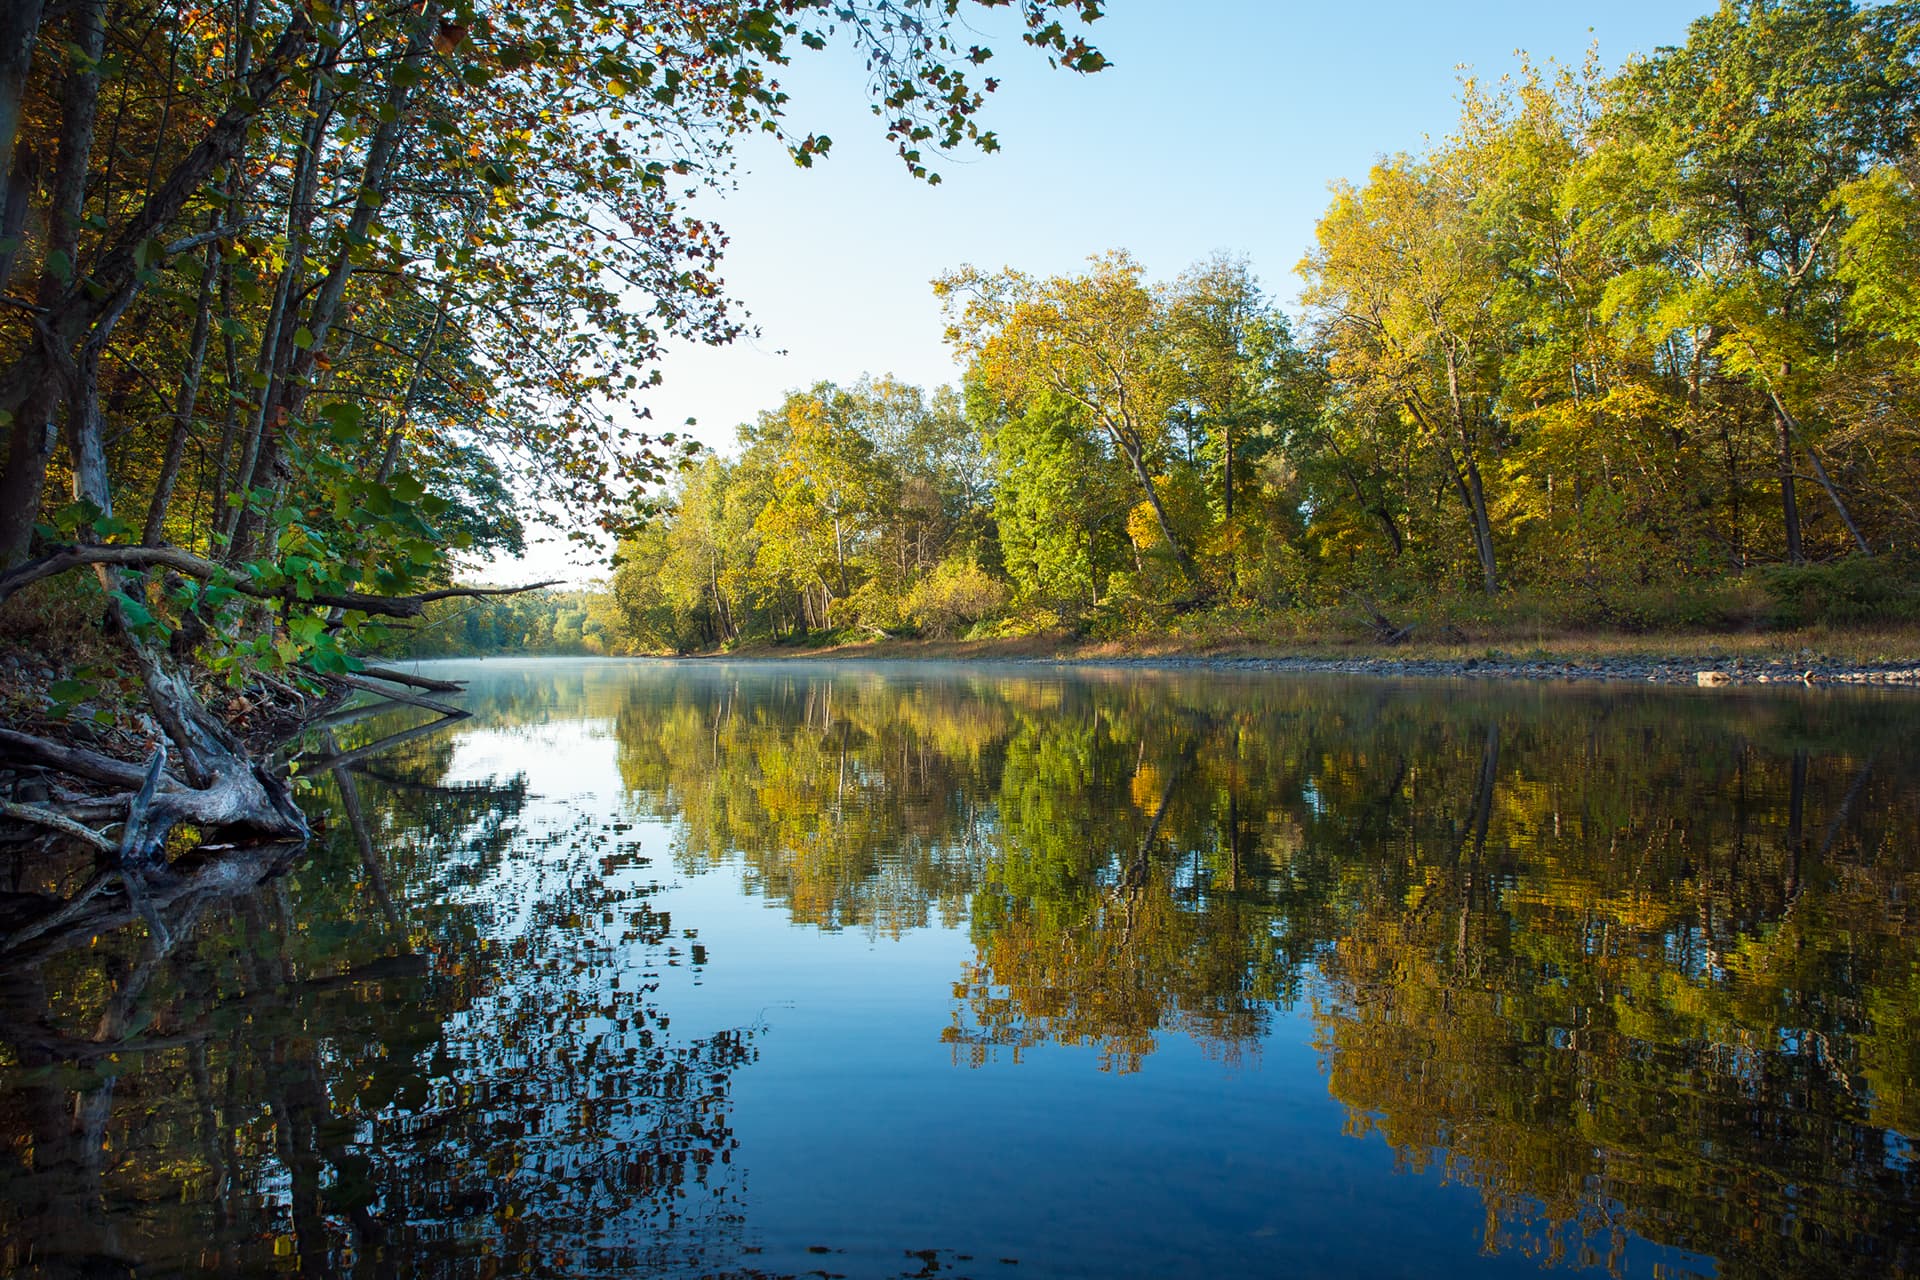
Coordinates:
x,y
753,970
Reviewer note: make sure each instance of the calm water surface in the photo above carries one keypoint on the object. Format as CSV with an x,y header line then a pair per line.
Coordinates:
x,y
659,969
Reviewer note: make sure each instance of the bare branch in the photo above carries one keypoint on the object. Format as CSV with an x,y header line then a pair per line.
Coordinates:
x,y
69,558
396,695
66,826
208,237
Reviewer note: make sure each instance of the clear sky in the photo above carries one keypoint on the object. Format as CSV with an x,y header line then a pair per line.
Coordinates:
x,y
1218,127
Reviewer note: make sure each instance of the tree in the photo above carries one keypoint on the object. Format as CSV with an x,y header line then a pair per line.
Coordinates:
x,y
1245,386
1403,286
1096,340
1741,142
1060,501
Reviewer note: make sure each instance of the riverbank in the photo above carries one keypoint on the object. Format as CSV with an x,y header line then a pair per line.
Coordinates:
x,y
1868,656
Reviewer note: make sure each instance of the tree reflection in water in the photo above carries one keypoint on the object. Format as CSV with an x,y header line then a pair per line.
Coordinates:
x,y
412,1068
1624,962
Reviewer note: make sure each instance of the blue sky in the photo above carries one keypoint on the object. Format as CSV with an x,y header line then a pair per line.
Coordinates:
x,y
1218,127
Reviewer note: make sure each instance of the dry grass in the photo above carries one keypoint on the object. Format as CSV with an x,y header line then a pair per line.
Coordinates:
x,y
1862,645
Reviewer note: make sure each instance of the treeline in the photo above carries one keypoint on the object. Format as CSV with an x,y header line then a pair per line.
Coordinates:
x,y
866,508
1625,348
579,620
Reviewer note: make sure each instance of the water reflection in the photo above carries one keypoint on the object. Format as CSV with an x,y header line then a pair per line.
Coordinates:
x,y
1639,971
433,1063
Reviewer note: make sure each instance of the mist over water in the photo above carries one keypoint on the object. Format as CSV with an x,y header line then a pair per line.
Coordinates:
x,y
871,970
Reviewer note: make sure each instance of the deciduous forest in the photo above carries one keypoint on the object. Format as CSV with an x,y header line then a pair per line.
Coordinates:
x,y
306,307
1631,350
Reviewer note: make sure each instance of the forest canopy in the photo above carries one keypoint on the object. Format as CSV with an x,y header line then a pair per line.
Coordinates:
x,y
1630,349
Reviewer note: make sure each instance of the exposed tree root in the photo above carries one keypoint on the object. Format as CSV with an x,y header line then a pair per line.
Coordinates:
x,y
201,774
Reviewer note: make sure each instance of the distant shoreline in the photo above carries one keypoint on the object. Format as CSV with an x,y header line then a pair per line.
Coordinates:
x,y
1863,659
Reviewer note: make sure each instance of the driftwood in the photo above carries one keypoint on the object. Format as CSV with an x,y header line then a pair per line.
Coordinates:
x,y
1385,630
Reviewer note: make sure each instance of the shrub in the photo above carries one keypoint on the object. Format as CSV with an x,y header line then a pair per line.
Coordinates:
x,y
873,608
955,596
1856,589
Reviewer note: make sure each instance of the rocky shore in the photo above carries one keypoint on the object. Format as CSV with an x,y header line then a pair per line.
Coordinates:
x,y
1806,670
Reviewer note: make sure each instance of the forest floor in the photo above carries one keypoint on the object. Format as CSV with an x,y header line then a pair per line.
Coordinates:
x,y
1884,655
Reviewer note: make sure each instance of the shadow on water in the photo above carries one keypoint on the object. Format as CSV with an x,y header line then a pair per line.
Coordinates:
x,y
1637,970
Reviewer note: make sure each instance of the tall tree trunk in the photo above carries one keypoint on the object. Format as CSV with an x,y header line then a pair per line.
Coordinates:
x,y
276,338
287,393
236,193
27,392
840,554
1139,463
1233,544
1466,483
29,449
19,29
1475,493
22,176
30,443
1482,528
218,510
1378,509
184,403
1789,507
1789,427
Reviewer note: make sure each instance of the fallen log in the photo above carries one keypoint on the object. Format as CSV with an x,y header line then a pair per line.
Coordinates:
x,y
418,681
1385,631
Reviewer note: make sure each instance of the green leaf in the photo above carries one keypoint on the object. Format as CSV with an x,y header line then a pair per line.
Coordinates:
x,y
407,488
136,614
342,415
65,693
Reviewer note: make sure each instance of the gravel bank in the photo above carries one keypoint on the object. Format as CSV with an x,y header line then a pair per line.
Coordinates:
x,y
1807,670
